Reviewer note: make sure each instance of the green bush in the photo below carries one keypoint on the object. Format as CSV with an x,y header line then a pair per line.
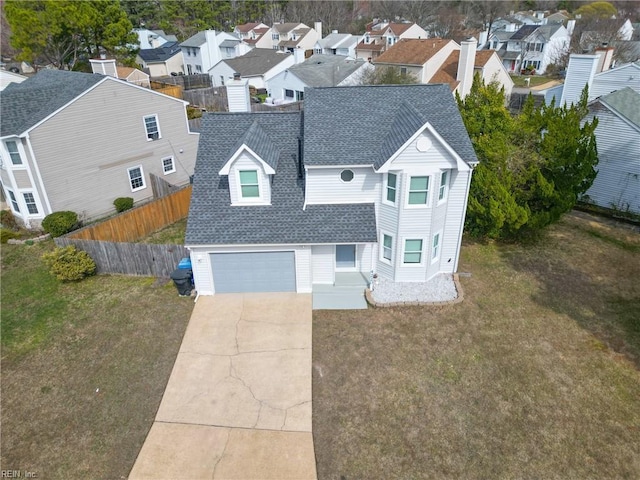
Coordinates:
x,y
59,223
123,203
6,234
69,264
8,220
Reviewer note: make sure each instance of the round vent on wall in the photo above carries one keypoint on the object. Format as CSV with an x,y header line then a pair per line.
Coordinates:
x,y
423,144
346,176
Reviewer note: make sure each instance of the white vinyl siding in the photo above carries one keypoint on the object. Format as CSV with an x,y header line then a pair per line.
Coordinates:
x,y
451,224
324,185
243,188
322,258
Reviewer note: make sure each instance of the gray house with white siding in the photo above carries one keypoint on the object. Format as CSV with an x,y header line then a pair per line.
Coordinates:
x,y
368,179
617,185
77,141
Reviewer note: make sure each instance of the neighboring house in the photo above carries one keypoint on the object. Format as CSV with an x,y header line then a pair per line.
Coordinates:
x,y
255,35
317,71
594,71
371,179
162,61
7,78
381,35
617,185
77,141
205,49
296,38
107,66
148,39
337,44
258,66
535,46
437,60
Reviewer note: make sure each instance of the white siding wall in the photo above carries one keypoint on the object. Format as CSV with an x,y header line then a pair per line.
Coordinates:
x,y
220,69
617,184
580,71
322,261
435,62
282,81
616,79
303,269
365,258
323,185
202,276
456,209
246,162
494,70
84,151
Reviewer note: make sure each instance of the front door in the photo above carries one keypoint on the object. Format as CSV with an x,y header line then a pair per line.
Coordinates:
x,y
345,257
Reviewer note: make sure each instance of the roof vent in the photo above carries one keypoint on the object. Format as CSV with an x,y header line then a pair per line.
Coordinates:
x,y
236,76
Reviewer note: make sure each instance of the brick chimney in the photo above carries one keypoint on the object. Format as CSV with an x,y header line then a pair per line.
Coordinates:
x,y
465,65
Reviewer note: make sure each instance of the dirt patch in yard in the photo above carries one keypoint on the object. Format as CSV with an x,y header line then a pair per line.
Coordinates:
x,y
534,375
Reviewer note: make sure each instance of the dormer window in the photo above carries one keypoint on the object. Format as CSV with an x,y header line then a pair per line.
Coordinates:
x,y
249,186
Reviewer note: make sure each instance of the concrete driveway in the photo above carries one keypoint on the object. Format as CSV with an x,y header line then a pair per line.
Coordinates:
x,y
238,402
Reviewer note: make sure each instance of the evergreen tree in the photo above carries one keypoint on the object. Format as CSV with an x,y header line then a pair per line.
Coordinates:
x,y
533,167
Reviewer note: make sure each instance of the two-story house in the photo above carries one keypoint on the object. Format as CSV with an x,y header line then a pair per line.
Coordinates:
x,y
381,35
296,38
337,44
148,39
77,141
163,60
258,66
370,179
255,34
204,49
535,46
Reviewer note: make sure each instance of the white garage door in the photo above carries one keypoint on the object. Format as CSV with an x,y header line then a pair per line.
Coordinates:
x,y
254,272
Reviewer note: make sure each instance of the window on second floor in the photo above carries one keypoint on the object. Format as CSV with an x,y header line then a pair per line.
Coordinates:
x,y
168,165
444,186
390,194
249,186
418,191
412,251
14,153
151,127
199,68
275,36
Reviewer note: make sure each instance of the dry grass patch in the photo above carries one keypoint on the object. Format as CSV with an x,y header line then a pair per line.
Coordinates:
x,y
84,367
534,375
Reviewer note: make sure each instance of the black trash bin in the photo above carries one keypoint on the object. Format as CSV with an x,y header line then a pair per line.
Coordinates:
x,y
182,280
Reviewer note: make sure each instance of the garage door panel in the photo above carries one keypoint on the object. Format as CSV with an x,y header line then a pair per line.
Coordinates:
x,y
254,272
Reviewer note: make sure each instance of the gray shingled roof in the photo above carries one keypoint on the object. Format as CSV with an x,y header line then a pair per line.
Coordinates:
x,y
358,121
213,221
256,62
195,41
25,104
160,54
325,70
335,40
626,102
257,140
406,123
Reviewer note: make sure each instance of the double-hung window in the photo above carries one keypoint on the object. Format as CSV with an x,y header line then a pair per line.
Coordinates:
x,y
412,251
136,178
418,191
168,165
14,153
151,127
435,248
14,201
249,186
444,185
387,247
30,201
392,180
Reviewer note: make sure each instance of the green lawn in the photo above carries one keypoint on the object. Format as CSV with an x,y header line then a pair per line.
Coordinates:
x,y
534,375
84,366
534,80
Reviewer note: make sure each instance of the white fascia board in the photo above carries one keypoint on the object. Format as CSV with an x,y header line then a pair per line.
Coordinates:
x,y
461,164
261,246
227,166
321,167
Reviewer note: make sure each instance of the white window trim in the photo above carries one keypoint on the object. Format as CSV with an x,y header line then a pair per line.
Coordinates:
x,y
260,199
144,124
11,196
35,201
445,185
435,252
386,187
15,166
382,247
347,170
144,183
173,165
429,192
404,245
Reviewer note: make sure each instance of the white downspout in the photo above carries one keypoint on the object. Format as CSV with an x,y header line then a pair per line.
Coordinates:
x,y
37,169
464,214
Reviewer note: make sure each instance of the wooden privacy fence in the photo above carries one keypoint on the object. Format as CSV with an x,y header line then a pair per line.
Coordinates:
x,y
167,89
130,258
139,222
